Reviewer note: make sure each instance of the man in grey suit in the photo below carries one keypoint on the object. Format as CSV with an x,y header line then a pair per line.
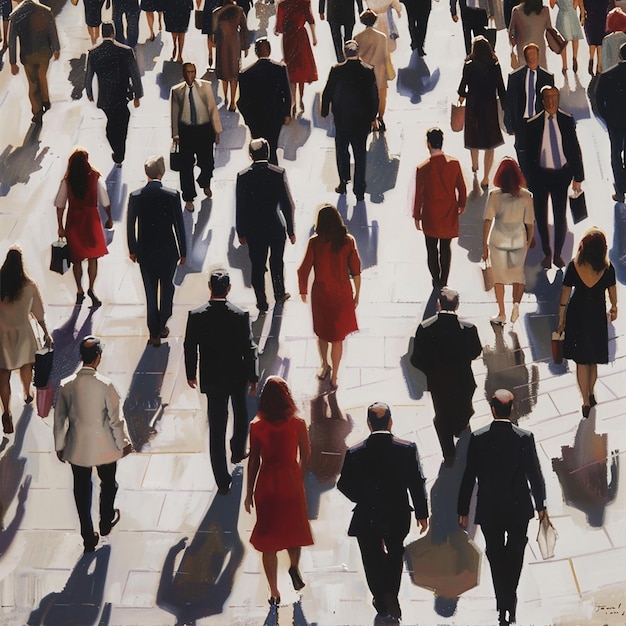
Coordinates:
x,y
118,82
89,431
33,24
196,126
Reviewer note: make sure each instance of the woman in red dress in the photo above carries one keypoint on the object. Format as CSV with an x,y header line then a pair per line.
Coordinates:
x,y
279,446
333,255
291,17
82,188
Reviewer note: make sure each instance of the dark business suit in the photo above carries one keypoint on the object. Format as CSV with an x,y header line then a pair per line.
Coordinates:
x,y
130,9
417,13
351,91
444,349
515,108
220,333
264,212
265,100
553,182
610,98
156,236
340,13
474,21
376,475
503,458
119,81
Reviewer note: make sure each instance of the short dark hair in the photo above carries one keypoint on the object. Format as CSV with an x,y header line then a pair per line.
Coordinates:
x,y
90,348
499,406
108,29
259,149
262,47
434,136
219,283
368,17
375,421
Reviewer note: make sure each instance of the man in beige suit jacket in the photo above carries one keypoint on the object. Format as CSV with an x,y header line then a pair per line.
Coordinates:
x,y
196,126
89,431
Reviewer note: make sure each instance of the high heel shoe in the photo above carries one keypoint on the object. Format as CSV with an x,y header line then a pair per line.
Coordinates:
x,y
296,579
515,313
592,400
499,319
575,65
95,301
586,410
323,373
80,296
7,423
274,601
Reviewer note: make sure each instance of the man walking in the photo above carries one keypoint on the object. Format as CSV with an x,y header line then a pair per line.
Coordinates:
x,y
503,459
130,10
156,239
89,431
265,97
220,333
118,82
340,13
474,19
264,212
555,161
444,349
440,197
33,24
418,12
351,91
376,475
196,126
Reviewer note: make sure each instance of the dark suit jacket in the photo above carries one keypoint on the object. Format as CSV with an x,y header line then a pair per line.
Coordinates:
x,y
444,349
611,96
503,458
264,94
154,227
34,25
118,75
571,147
221,333
515,103
352,92
264,204
377,474
340,11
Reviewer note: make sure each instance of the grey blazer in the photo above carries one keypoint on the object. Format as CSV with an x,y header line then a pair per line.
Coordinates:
x,y
205,90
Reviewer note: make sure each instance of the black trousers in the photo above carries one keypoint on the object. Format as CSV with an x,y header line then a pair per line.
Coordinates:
x,y
439,257
382,554
339,39
617,136
553,183
418,12
358,141
452,415
130,9
271,132
158,282
474,24
83,492
117,130
258,249
505,544
217,399
196,147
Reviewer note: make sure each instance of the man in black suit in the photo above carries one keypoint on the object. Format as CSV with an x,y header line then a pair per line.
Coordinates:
x,y
352,92
610,98
156,239
523,100
220,332
417,13
503,458
376,475
474,18
264,211
444,349
554,161
265,97
339,13
119,81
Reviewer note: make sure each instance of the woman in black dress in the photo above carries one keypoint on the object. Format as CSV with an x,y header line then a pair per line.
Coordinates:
x,y
177,14
93,18
207,23
595,30
481,84
150,7
584,315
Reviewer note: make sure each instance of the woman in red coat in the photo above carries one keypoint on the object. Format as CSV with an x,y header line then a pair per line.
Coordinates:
x,y
333,256
82,188
279,455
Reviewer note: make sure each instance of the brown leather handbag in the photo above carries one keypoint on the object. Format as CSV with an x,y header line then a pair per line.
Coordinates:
x,y
555,40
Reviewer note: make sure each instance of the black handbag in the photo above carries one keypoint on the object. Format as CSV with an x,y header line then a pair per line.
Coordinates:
x,y
43,366
578,207
60,259
175,157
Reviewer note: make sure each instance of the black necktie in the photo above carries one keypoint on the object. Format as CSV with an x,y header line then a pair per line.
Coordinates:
x,y
192,107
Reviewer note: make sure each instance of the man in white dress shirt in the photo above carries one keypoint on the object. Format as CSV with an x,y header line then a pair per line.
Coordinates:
x,y
89,431
196,126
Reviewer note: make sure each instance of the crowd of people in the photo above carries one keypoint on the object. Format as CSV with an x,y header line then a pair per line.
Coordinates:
x,y
218,338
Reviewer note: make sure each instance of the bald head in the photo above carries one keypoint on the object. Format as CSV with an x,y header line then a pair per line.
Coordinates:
x,y
502,403
379,416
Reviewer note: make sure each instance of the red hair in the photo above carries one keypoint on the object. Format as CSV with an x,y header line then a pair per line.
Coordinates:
x,y
276,402
509,176
616,20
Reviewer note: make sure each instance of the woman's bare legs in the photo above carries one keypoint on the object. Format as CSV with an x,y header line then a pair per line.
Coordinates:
x,y
488,166
336,352
322,347
518,292
498,289
270,565
77,270
26,376
586,376
233,92
150,20
94,33
5,390
92,271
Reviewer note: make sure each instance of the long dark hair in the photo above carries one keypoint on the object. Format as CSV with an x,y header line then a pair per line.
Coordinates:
x,y
482,51
276,402
78,170
533,6
592,250
330,227
509,177
13,277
